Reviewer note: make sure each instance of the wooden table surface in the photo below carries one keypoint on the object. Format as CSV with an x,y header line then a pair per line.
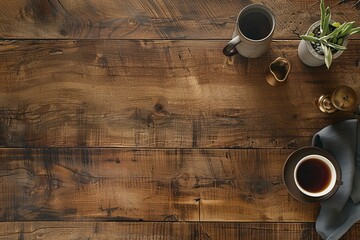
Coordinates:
x,y
124,120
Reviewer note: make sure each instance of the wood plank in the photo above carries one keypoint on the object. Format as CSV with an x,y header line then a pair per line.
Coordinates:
x,y
99,230
163,230
274,231
153,19
161,94
147,184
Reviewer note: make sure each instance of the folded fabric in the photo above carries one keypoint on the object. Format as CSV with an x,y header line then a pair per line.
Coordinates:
x,y
342,210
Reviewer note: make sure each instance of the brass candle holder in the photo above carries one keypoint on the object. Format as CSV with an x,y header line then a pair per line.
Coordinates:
x,y
343,98
278,71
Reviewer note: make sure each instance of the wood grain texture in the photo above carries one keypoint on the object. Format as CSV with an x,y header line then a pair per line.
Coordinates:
x,y
161,94
129,123
148,185
153,19
163,230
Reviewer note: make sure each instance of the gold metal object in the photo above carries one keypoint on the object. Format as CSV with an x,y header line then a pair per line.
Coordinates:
x,y
279,70
325,105
343,98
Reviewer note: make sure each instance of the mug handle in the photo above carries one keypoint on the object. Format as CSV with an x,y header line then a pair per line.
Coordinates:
x,y
230,49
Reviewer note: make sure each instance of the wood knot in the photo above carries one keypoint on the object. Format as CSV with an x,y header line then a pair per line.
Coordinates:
x,y
175,187
133,21
103,62
70,211
55,51
260,188
81,178
158,107
109,210
63,32
171,218
247,197
54,184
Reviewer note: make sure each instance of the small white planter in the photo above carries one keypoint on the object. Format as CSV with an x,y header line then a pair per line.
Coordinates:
x,y
307,53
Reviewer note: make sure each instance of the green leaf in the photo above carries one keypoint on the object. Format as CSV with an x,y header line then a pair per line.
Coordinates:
x,y
334,45
354,30
340,41
345,31
327,55
309,38
334,34
322,16
336,24
325,28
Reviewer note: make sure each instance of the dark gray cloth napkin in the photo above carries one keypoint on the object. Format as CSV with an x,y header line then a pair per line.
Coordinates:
x,y
342,210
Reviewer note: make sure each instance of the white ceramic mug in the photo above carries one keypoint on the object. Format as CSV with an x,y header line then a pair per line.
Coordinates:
x,y
253,33
315,175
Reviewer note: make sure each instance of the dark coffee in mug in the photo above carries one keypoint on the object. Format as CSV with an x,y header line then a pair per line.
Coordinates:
x,y
313,175
253,33
255,25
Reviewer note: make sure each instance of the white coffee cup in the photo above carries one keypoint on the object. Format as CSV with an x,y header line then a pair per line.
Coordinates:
x,y
315,175
253,33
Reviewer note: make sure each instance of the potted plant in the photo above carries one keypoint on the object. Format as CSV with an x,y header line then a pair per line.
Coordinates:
x,y
325,40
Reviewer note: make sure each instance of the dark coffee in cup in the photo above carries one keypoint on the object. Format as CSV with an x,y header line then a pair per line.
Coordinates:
x,y
253,33
315,175
255,25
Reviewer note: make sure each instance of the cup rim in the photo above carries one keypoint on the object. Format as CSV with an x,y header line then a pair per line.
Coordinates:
x,y
256,6
333,180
